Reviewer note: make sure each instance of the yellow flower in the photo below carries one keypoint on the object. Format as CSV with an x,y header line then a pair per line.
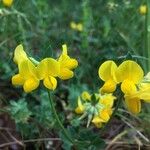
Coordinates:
x,y
97,107
133,99
143,9
130,74
27,76
107,72
7,3
77,27
66,64
47,70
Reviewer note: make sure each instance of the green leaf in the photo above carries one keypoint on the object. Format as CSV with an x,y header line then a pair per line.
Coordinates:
x,y
19,111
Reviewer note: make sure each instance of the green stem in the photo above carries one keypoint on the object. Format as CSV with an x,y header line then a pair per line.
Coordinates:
x,y
148,33
57,118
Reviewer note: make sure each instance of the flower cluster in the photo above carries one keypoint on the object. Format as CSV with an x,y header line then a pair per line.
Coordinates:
x,y
76,26
31,72
97,107
134,85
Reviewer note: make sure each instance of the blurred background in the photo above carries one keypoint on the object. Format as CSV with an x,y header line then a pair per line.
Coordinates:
x,y
94,31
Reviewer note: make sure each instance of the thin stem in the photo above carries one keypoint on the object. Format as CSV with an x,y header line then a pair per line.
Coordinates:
x,y
57,118
148,32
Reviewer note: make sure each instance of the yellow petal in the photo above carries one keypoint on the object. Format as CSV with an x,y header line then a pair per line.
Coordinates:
x,y
143,94
85,95
128,86
50,83
27,69
7,3
80,108
17,80
79,27
133,105
108,87
129,70
30,84
104,115
107,70
19,54
65,74
97,121
107,100
48,67
64,47
73,25
66,62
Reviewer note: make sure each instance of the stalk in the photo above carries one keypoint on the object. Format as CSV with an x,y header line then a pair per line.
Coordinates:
x,y
148,33
57,118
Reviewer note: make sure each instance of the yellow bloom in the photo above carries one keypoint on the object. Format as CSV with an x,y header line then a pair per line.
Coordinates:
x,y
27,76
66,64
107,72
77,27
97,107
47,70
130,74
143,9
7,3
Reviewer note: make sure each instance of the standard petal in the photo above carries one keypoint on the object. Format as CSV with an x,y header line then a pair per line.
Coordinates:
x,y
50,83
48,67
30,85
65,74
19,54
133,105
17,80
107,70
129,70
71,63
27,69
67,62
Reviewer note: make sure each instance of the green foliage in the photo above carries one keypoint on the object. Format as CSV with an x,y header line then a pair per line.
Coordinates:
x,y
19,111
